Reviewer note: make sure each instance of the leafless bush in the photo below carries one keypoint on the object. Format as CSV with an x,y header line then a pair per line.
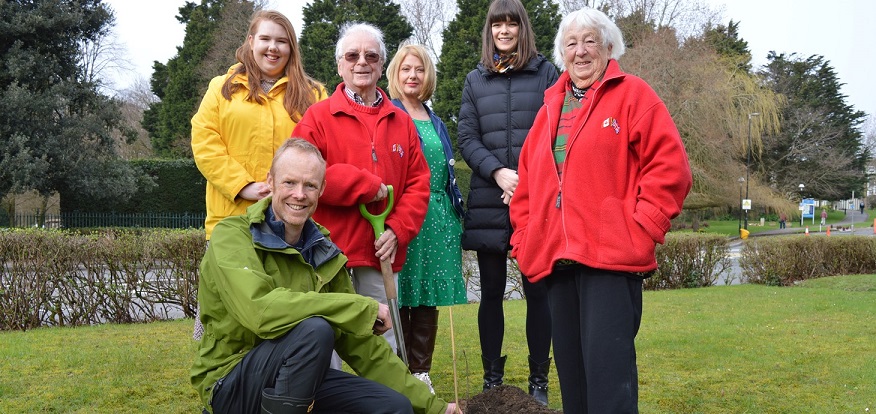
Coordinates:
x,y
689,260
56,278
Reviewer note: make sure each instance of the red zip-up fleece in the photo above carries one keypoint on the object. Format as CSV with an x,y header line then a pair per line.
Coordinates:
x,y
626,174
346,134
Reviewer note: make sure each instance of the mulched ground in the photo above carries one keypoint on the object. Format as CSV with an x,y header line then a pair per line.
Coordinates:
x,y
504,399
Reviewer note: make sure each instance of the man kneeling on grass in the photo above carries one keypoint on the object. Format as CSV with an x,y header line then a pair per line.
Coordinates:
x,y
275,300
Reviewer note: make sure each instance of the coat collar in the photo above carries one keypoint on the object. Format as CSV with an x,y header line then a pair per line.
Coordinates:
x,y
531,66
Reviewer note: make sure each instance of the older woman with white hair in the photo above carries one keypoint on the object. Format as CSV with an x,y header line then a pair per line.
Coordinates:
x,y
602,173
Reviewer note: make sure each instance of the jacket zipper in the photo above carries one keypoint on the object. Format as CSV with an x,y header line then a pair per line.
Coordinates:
x,y
508,143
568,149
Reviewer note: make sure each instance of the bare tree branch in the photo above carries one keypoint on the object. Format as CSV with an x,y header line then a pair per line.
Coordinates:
x,y
428,18
104,59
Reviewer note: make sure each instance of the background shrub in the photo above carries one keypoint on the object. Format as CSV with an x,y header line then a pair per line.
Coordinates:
x,y
689,260
784,261
176,186
60,278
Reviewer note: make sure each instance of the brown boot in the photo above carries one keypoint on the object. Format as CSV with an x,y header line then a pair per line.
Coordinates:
x,y
424,328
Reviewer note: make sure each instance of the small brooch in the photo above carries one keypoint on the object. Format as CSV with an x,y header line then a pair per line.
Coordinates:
x,y
398,149
613,123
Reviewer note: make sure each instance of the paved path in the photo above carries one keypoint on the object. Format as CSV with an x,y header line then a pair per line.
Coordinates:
x,y
854,222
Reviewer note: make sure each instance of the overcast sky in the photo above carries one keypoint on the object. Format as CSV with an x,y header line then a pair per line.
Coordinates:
x,y
838,30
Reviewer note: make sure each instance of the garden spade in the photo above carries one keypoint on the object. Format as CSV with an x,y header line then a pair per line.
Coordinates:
x,y
378,224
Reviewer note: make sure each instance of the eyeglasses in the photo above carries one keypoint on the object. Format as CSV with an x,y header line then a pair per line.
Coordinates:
x,y
353,57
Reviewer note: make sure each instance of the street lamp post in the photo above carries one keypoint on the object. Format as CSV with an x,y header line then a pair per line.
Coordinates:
x,y
748,163
741,180
801,203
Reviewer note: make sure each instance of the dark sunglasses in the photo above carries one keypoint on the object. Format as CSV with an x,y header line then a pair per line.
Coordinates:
x,y
353,57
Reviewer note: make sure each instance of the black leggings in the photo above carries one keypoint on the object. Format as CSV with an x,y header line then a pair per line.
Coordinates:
x,y
491,317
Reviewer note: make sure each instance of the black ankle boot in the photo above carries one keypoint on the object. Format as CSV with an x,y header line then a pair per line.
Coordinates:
x,y
276,404
494,371
538,380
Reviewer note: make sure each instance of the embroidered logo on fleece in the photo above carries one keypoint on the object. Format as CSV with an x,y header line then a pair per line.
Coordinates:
x,y
613,123
398,149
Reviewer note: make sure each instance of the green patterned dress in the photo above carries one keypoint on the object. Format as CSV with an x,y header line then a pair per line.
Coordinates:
x,y
432,274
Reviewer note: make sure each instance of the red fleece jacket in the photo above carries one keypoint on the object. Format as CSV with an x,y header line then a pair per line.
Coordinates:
x,y
346,134
625,176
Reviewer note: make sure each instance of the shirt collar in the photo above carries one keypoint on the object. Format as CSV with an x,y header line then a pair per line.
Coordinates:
x,y
358,99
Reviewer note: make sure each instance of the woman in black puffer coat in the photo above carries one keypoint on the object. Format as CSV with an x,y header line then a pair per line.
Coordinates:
x,y
499,102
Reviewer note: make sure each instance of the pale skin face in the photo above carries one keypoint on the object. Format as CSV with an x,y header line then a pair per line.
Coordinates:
x,y
411,75
361,76
584,56
271,48
297,180
505,35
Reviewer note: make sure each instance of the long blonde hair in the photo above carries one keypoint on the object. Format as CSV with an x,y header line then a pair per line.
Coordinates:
x,y
301,90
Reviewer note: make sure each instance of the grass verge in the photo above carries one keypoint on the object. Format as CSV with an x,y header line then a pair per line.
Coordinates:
x,y
737,349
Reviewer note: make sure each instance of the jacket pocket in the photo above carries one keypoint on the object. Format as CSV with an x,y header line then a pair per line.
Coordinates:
x,y
622,240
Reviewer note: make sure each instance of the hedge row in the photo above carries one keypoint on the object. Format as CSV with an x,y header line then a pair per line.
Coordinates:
x,y
172,186
62,278
689,260
57,277
783,261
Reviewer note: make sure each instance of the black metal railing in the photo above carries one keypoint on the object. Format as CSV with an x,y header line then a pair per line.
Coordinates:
x,y
79,220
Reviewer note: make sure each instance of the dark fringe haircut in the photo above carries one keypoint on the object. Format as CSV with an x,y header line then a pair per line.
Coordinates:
x,y
502,11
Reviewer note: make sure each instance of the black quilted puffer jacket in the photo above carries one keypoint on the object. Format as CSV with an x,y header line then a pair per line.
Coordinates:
x,y
496,113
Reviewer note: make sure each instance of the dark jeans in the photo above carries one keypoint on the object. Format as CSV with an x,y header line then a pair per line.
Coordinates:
x,y
596,315
491,317
296,365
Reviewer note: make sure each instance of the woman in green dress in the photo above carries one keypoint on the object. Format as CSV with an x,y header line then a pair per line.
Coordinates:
x,y
432,273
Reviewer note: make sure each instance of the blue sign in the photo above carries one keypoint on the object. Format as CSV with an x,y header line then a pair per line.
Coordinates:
x,y
808,208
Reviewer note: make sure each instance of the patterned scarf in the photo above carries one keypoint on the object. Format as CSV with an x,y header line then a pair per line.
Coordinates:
x,y
503,62
577,92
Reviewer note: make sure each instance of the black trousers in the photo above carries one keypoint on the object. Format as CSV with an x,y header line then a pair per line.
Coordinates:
x,y
296,365
493,270
596,315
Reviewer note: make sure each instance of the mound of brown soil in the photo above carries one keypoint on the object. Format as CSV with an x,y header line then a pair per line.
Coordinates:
x,y
504,399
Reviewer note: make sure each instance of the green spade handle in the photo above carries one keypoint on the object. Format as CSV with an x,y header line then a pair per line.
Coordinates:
x,y
378,221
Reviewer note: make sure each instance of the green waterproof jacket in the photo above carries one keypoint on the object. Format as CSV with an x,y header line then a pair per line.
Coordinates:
x,y
254,287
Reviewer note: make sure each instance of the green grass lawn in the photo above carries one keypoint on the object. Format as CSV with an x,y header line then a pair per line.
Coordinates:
x,y
725,349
